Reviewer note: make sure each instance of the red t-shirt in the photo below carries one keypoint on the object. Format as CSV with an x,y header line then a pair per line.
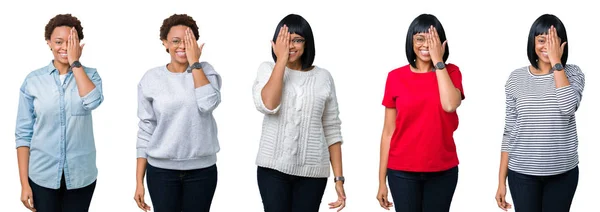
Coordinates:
x,y
423,139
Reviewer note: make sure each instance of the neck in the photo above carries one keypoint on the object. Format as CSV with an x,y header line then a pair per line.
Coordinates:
x,y
61,67
294,65
176,67
423,66
543,68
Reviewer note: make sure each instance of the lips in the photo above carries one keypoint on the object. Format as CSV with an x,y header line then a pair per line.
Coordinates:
x,y
293,53
424,52
62,55
180,54
545,54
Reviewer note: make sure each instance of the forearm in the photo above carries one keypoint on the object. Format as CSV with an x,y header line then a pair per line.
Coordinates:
x,y
23,161
84,84
560,79
503,172
140,171
335,156
450,96
271,93
200,78
384,151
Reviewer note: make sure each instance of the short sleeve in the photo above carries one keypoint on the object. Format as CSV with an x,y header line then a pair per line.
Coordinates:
x,y
456,78
389,95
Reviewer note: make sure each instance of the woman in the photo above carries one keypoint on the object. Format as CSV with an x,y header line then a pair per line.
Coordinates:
x,y
539,146
54,134
301,127
418,154
177,138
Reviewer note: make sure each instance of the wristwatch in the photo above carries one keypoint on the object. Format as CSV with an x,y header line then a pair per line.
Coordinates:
x,y
76,64
340,178
196,65
557,67
440,65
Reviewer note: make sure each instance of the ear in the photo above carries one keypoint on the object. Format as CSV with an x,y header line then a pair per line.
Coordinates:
x,y
164,43
49,44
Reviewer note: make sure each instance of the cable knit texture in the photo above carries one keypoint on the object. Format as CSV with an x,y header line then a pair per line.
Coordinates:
x,y
296,135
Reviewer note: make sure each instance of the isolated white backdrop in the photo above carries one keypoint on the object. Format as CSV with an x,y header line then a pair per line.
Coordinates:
x,y
359,43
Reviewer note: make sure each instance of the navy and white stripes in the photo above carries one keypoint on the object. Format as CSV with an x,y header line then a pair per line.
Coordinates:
x,y
540,132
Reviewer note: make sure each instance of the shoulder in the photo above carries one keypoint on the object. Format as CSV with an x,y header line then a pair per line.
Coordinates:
x,y
572,69
208,68
399,71
519,72
451,67
152,74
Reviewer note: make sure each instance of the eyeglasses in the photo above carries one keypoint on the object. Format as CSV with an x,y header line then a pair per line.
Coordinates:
x,y
176,42
298,41
419,40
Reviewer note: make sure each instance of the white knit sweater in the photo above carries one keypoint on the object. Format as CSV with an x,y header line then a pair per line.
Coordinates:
x,y
296,135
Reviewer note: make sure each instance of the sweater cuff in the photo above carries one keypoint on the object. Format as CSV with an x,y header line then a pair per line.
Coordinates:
x,y
141,153
334,140
205,90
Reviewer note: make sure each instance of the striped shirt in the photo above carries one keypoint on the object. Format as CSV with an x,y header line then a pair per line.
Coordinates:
x,y
540,134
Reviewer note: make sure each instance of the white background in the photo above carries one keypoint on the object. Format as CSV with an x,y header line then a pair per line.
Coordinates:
x,y
359,43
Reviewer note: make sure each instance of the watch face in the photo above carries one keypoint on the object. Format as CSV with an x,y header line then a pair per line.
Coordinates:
x,y
558,67
440,65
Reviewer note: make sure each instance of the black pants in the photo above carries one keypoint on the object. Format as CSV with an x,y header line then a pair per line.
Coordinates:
x,y
282,192
62,200
178,190
543,193
422,191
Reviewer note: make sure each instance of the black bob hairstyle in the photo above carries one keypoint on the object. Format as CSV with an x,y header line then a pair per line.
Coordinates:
x,y
540,27
298,25
419,25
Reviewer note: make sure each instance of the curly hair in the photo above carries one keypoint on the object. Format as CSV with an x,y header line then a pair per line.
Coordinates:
x,y
175,20
63,20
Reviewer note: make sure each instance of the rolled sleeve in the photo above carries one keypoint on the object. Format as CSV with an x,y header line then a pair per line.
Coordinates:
x,y
25,119
95,97
208,96
264,73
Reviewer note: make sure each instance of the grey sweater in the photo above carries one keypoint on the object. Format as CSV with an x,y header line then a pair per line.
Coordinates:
x,y
177,129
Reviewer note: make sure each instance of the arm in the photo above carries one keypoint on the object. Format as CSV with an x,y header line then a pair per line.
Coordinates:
x,y
271,93
207,85
450,95
23,134
333,136
140,171
264,75
386,136
510,120
147,122
90,90
569,89
23,160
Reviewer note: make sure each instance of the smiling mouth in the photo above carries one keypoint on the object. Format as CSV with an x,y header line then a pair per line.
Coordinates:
x,y
424,52
180,54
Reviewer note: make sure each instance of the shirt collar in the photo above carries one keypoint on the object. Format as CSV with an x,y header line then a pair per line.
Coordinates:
x,y
50,68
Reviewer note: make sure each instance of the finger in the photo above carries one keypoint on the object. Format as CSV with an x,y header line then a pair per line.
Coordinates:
x,y
201,47
273,45
562,47
342,206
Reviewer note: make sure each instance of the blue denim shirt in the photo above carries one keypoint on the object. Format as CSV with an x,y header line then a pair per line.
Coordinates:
x,y
56,124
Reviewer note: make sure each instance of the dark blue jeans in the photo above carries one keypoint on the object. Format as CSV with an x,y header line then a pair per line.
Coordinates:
x,y
543,193
62,200
282,192
181,190
422,191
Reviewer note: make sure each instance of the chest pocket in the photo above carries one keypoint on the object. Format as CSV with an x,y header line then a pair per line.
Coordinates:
x,y
77,103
